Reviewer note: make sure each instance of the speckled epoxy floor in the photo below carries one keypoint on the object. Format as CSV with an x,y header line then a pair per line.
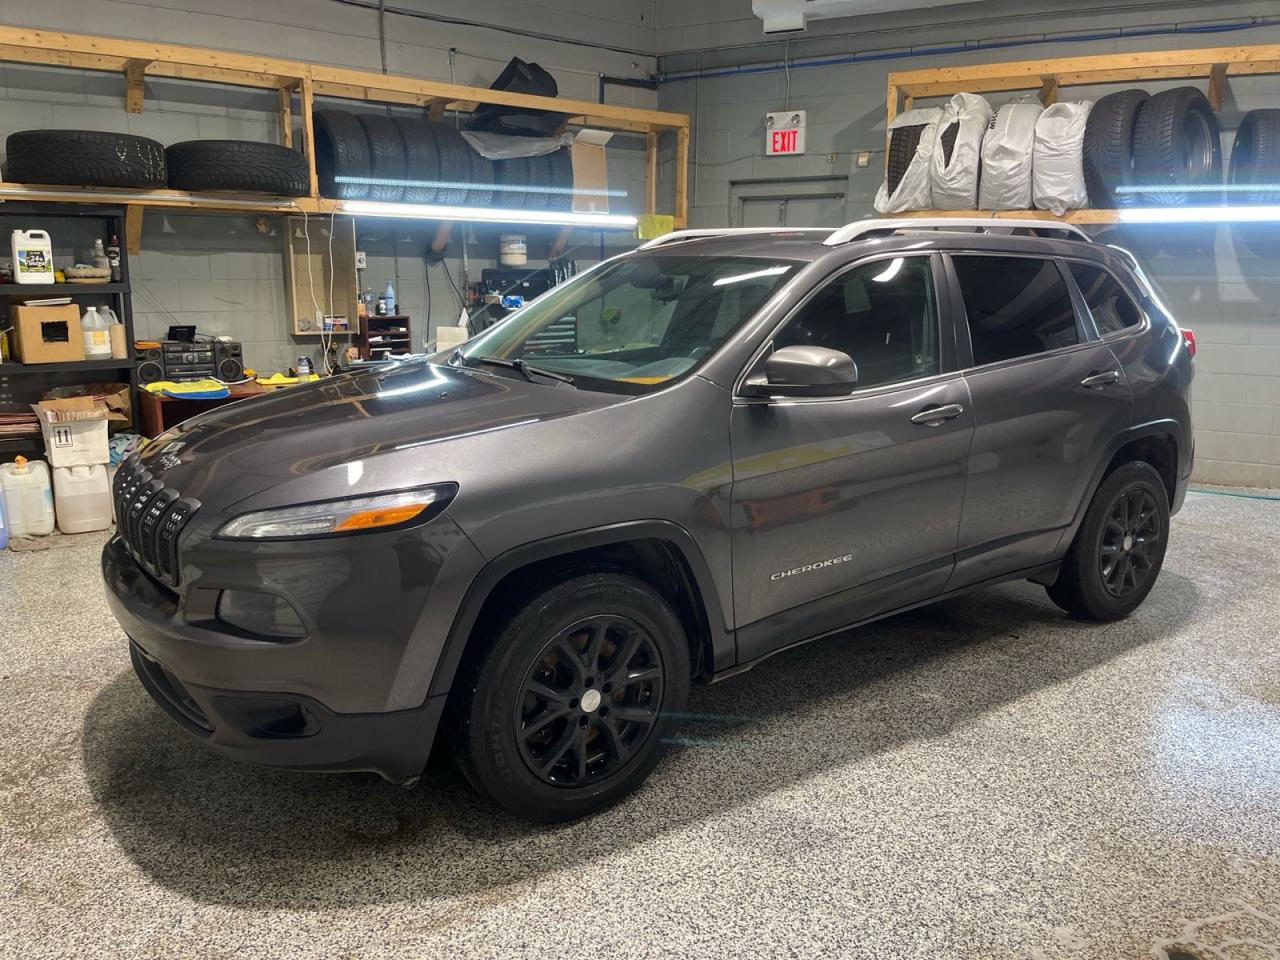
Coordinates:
x,y
979,779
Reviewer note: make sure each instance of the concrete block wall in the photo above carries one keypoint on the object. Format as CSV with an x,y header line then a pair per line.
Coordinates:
x,y
1227,293
217,271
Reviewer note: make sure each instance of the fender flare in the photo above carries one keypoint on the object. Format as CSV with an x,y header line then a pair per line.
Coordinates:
x,y
1152,428
723,647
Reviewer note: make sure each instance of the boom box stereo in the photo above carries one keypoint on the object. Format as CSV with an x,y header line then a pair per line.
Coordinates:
x,y
178,360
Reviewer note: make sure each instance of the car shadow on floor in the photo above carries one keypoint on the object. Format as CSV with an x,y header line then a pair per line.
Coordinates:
x,y
226,833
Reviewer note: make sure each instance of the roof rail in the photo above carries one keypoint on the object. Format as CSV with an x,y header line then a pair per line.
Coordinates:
x,y
861,228
680,235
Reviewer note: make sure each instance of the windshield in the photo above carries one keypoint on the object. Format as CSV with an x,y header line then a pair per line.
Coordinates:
x,y
635,324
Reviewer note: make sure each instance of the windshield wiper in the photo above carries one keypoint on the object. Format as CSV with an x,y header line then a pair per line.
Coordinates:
x,y
526,370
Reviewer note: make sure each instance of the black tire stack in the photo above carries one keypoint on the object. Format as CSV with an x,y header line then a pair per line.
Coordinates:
x,y
85,158
903,143
1255,163
412,160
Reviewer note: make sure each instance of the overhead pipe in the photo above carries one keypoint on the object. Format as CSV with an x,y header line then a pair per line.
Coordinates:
x,y
793,16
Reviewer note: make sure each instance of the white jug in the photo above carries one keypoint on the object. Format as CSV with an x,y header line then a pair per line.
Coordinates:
x,y
28,498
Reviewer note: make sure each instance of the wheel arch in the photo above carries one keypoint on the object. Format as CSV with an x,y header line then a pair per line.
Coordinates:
x,y
1158,442
651,549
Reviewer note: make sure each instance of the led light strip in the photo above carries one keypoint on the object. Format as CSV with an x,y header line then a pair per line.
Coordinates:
x,y
1260,214
431,211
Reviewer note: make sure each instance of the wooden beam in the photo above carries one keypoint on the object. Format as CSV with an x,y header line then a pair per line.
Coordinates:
x,y
561,241
133,229
1218,85
1048,90
435,110
682,179
651,173
441,240
134,74
307,106
286,115
86,51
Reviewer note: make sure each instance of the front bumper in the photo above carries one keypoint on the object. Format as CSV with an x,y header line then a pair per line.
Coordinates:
x,y
349,695
288,730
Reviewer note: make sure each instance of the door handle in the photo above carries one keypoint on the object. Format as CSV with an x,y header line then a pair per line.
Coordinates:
x,y
936,416
1105,379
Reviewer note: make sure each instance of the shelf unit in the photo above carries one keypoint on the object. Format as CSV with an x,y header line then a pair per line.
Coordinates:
x,y
1213,65
24,382
298,84
396,332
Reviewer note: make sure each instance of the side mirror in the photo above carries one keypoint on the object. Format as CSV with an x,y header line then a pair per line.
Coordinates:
x,y
805,372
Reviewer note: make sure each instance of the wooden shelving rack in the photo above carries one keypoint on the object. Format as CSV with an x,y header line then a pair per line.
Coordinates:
x,y
1213,65
298,84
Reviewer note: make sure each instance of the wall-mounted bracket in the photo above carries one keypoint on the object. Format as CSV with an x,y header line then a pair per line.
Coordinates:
x,y
134,75
1048,90
1218,85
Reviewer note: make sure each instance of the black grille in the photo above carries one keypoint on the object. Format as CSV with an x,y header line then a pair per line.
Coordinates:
x,y
149,519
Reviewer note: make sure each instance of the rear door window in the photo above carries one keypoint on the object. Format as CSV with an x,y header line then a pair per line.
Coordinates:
x,y
1017,307
1112,308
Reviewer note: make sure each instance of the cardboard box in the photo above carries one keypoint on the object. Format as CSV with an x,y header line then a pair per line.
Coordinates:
x,y
75,431
46,334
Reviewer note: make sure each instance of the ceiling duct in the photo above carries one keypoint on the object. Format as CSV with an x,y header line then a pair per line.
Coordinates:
x,y
793,16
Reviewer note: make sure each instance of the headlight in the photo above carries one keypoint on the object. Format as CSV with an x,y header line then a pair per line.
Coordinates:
x,y
336,517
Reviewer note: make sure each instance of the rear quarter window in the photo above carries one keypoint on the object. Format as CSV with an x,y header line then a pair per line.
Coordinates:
x,y
1112,308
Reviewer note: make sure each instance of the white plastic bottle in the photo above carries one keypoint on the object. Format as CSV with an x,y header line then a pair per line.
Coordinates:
x,y
28,497
82,498
97,335
32,256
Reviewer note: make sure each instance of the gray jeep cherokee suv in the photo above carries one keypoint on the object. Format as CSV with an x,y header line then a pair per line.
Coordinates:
x,y
688,458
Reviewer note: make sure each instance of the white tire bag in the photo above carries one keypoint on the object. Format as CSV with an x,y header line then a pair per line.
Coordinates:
x,y
954,181
1058,174
1007,153
913,191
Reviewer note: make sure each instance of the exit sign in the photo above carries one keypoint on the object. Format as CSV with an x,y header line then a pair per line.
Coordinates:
x,y
784,133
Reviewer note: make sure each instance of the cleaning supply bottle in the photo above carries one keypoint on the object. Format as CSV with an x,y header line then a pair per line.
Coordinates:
x,y
32,256
390,297
28,497
113,258
100,256
97,335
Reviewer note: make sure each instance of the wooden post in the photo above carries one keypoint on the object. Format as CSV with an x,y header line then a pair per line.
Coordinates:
x,y
1048,90
561,241
133,229
1217,85
442,237
134,71
309,134
286,115
435,110
682,178
650,173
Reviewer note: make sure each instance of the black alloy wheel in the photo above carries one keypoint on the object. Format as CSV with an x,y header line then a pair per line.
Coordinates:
x,y
1118,552
1130,540
569,698
590,701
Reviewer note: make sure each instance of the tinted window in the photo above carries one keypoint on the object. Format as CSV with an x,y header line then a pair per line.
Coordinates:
x,y
1017,306
881,313
1112,308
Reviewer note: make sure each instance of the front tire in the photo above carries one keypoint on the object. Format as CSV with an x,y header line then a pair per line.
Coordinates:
x,y
567,710
1119,550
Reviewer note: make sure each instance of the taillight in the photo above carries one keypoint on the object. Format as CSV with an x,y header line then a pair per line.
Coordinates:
x,y
1189,339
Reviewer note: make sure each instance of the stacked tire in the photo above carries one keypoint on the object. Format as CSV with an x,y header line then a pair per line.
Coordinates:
x,y
1254,176
412,160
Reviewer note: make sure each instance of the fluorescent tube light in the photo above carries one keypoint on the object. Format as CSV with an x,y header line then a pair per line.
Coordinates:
x,y
431,211
1260,214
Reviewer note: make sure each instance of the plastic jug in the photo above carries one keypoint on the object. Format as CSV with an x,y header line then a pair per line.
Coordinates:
x,y
32,256
28,497
82,498
97,334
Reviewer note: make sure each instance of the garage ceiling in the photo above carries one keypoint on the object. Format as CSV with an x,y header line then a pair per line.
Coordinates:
x,y
793,16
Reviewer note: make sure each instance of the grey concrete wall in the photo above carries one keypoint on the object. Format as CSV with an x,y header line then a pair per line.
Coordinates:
x,y
218,271
1227,293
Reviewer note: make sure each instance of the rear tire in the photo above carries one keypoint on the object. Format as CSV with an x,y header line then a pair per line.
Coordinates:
x,y
567,710
1119,549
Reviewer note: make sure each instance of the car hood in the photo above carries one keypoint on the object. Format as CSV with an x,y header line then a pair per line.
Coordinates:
x,y
356,433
